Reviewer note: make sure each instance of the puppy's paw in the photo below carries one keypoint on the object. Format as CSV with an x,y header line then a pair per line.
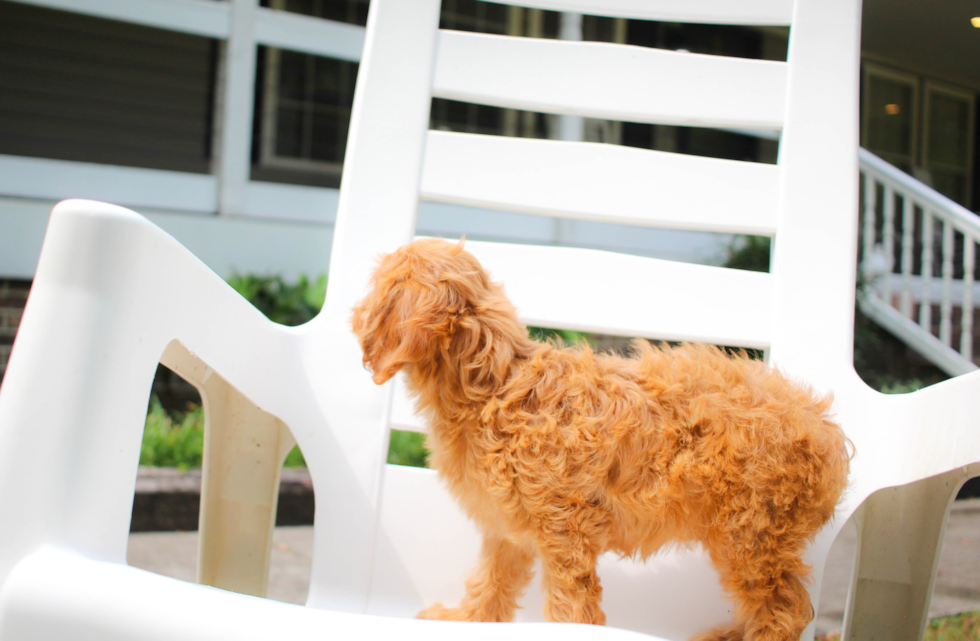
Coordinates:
x,y
727,632
439,612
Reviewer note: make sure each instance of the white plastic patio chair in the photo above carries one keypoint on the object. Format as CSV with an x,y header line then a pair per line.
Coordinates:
x,y
113,296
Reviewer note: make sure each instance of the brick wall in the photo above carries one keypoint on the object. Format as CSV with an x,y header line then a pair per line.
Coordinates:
x,y
13,297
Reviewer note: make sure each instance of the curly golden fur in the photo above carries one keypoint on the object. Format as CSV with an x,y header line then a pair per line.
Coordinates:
x,y
562,454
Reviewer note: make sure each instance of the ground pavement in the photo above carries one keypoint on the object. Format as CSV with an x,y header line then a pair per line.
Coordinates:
x,y
957,584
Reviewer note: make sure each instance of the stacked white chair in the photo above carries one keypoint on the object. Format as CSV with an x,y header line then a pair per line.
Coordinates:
x,y
113,296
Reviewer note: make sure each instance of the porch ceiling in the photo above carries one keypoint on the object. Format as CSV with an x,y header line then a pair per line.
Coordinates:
x,y
931,37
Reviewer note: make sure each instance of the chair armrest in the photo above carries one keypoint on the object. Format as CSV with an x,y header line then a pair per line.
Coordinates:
x,y
110,293
940,428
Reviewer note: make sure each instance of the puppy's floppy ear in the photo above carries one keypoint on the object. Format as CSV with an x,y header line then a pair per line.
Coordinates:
x,y
394,329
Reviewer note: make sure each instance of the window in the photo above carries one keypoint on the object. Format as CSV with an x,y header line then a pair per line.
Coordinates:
x,y
889,126
924,127
947,147
307,98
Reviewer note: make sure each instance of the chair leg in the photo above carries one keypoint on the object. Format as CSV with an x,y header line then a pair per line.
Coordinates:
x,y
900,536
244,448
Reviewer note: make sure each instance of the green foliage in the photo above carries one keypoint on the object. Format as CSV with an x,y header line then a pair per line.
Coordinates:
x,y
902,387
172,439
282,302
408,448
566,336
295,458
749,252
961,627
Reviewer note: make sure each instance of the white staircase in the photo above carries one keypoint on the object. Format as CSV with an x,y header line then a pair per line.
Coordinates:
x,y
919,261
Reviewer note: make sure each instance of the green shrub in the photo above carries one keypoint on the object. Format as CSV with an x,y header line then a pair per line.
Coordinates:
x,y
407,448
172,439
282,302
749,252
295,458
960,627
566,336
902,387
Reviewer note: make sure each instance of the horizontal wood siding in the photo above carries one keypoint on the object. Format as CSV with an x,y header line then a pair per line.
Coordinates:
x,y
73,87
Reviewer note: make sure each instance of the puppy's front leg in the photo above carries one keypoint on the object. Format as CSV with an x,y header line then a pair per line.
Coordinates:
x,y
492,590
570,584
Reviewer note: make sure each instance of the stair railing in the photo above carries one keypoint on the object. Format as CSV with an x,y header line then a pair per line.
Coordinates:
x,y
919,261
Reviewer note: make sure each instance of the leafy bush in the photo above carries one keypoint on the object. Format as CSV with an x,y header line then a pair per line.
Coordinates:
x,y
408,448
750,253
172,439
566,336
295,458
961,627
282,302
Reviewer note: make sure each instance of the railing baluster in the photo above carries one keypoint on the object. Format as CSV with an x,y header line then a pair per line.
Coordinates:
x,y
908,222
946,306
925,303
888,239
870,189
934,284
966,337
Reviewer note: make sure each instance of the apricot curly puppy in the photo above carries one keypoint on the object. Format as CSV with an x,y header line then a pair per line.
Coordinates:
x,y
563,454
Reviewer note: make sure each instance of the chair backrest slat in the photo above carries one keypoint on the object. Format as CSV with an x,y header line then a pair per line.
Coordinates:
x,y
600,182
616,82
748,12
611,293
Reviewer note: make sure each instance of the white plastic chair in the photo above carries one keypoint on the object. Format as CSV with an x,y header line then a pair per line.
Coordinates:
x,y
113,296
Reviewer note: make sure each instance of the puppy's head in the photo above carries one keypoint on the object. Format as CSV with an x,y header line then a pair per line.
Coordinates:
x,y
419,296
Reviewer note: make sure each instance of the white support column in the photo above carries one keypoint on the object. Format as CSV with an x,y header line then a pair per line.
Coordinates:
x,y
234,109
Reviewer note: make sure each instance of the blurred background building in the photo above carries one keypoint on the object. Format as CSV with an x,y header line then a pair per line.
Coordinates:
x,y
225,122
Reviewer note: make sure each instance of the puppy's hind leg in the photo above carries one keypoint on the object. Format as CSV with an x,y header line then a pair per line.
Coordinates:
x,y
494,586
727,632
768,587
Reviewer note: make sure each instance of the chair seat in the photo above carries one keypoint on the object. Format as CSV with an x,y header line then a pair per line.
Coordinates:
x,y
427,547
58,594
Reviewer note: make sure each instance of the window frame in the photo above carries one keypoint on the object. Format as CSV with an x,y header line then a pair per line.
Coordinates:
x,y
872,70
930,88
268,133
